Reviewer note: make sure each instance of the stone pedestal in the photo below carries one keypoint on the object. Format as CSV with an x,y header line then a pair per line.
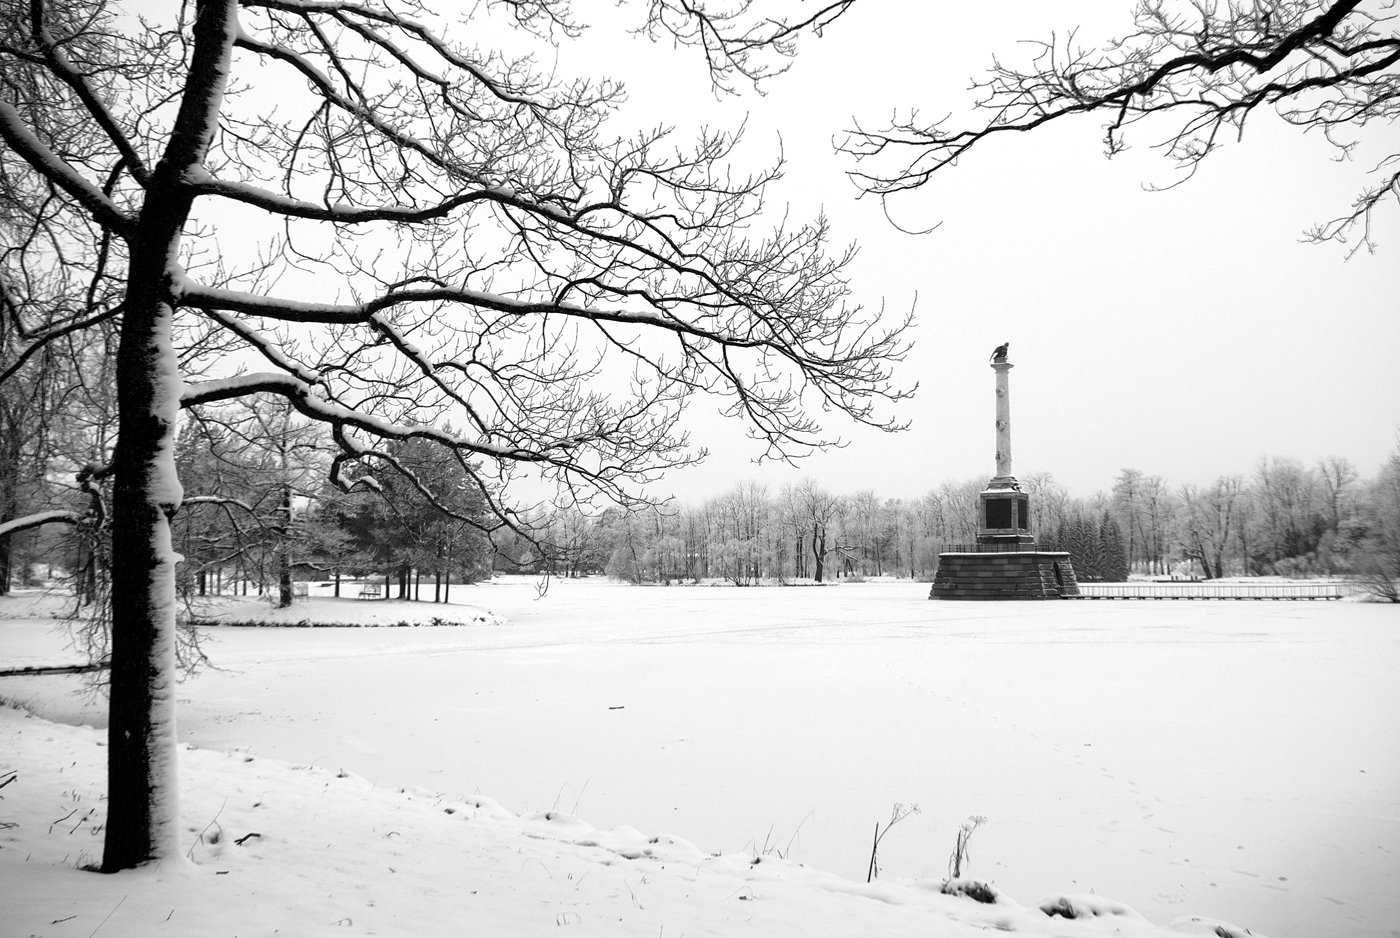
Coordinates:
x,y
1004,514
1011,574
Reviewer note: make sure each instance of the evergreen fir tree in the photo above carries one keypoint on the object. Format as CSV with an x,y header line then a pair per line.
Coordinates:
x,y
1080,538
1114,564
1093,548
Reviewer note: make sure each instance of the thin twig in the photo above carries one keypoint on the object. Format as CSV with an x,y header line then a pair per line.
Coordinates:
x,y
200,839
109,915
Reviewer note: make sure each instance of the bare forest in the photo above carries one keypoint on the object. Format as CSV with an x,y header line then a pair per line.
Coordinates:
x,y
268,520
1284,519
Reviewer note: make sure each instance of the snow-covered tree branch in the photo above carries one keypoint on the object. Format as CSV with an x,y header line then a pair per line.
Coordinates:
x,y
1200,68
406,234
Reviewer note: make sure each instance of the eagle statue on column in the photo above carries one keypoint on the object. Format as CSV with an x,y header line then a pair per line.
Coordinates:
x,y
999,354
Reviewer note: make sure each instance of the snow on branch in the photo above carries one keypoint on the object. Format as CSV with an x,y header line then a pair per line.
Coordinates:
x,y
57,171
326,88
844,371
357,16
201,183
217,500
62,68
39,341
58,516
300,395
287,310
264,345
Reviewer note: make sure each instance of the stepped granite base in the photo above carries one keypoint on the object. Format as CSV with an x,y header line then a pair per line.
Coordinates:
x,y
1028,574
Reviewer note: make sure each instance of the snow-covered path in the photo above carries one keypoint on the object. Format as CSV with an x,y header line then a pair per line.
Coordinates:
x,y
1236,760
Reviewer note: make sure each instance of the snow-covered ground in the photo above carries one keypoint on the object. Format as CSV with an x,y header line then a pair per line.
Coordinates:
x,y
1239,761
320,608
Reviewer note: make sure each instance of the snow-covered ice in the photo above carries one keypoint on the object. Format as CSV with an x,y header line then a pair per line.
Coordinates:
x,y
1233,761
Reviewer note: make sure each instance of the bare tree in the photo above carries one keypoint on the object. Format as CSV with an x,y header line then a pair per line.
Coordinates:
x,y
742,539
960,508
861,533
55,326
1289,521
1333,65
1338,476
1380,558
444,232
933,530
818,511
1049,503
1205,522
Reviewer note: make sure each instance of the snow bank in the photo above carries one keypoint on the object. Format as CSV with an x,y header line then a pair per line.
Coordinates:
x,y
300,850
332,612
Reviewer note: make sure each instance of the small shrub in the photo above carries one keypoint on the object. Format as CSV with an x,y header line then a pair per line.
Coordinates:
x,y
1375,578
974,889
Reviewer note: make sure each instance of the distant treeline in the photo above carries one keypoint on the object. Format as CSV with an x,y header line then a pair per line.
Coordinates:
x,y
1285,518
260,514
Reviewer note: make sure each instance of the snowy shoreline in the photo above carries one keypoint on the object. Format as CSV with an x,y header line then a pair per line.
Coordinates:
x,y
303,850
1216,759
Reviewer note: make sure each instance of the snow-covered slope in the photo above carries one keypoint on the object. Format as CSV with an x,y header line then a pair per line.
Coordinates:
x,y
1235,760
298,850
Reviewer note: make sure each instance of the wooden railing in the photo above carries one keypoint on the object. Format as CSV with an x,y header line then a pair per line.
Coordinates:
x,y
1212,590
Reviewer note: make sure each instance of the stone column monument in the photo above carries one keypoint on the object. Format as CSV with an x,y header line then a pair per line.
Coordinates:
x,y
1005,562
1002,367
1004,512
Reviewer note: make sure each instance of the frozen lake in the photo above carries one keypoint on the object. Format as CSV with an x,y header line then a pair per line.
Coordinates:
x,y
1237,760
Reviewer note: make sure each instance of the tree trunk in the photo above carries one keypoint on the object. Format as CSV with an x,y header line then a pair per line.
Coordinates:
x,y
143,812
89,578
9,494
143,808
284,543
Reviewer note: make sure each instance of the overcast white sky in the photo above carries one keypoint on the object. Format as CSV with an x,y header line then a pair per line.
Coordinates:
x,y
1186,333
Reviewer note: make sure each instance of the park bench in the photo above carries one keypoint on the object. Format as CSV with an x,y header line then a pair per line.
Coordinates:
x,y
369,591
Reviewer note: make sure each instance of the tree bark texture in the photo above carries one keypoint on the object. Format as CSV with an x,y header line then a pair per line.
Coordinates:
x,y
10,436
142,797
284,544
143,811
